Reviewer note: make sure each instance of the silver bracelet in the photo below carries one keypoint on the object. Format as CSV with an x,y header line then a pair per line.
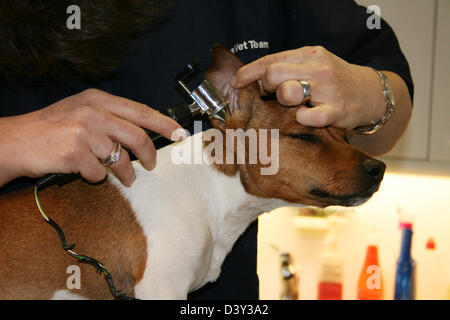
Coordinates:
x,y
390,107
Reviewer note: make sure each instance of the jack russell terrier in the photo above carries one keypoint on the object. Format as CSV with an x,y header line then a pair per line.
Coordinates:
x,y
168,233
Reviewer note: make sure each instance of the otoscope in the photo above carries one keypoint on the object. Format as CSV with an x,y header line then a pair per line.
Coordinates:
x,y
206,99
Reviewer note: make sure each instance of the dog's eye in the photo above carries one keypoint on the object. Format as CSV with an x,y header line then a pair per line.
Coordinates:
x,y
305,137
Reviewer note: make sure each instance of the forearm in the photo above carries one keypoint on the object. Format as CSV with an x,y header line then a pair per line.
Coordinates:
x,y
385,139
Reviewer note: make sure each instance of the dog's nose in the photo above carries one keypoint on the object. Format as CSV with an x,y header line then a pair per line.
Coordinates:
x,y
374,169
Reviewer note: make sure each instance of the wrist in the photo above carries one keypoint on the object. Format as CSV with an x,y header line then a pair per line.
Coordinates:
x,y
10,164
388,95
371,103
375,103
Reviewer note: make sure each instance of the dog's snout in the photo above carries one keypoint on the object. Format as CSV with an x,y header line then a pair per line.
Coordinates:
x,y
374,169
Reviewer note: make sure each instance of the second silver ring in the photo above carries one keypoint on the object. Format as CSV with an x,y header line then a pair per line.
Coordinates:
x,y
307,94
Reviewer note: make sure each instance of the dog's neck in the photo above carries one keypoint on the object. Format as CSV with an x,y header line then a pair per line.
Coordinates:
x,y
189,185
197,191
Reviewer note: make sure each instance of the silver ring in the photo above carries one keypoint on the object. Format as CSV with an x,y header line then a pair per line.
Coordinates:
x,y
306,91
114,156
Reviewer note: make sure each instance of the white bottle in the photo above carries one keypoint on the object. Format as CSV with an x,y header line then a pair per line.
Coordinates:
x,y
331,267
430,286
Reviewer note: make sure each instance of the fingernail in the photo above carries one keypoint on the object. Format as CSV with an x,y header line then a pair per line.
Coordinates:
x,y
178,135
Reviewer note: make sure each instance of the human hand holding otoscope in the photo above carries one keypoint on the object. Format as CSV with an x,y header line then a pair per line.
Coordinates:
x,y
205,100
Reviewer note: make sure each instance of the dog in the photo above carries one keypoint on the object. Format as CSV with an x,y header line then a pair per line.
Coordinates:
x,y
169,233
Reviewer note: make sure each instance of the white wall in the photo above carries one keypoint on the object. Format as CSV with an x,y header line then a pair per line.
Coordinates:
x,y
413,21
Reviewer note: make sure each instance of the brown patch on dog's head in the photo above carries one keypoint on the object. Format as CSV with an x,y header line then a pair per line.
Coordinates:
x,y
316,165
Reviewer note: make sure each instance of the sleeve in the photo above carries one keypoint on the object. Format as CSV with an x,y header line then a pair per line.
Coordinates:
x,y
341,27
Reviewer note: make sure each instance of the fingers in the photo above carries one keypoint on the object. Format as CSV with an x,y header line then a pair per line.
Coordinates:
x,y
318,116
278,73
93,170
101,147
130,136
79,130
290,93
331,80
90,168
121,119
123,169
132,111
256,69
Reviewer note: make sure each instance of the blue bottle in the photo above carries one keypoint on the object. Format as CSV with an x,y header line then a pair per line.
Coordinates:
x,y
405,276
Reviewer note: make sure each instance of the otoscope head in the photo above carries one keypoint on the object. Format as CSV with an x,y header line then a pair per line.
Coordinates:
x,y
207,99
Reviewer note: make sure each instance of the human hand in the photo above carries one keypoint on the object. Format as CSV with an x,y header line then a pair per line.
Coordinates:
x,y
344,95
71,135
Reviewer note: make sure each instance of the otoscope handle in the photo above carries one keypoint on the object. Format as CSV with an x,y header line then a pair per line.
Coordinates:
x,y
58,178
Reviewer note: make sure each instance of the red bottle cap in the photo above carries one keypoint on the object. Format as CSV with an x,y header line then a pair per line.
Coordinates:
x,y
430,244
405,225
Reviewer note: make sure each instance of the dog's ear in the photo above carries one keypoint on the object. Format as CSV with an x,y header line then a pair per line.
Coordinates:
x,y
223,66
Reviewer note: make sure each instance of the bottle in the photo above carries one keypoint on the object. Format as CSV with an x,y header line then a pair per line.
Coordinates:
x,y
405,275
429,274
289,277
330,273
370,283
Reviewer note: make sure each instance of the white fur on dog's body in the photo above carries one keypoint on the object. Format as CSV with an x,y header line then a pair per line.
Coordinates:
x,y
66,294
191,215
